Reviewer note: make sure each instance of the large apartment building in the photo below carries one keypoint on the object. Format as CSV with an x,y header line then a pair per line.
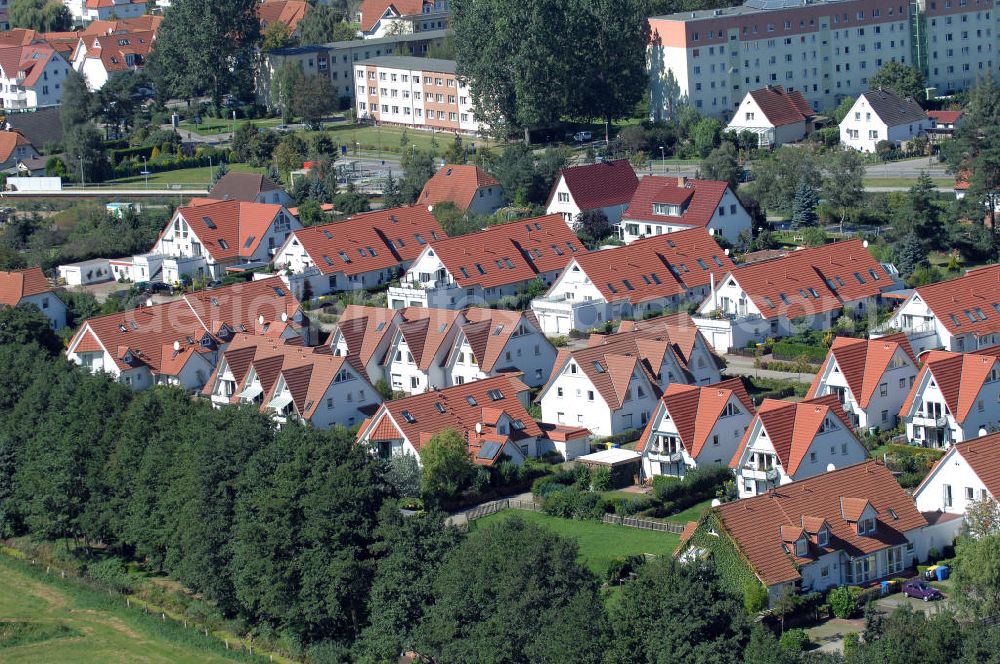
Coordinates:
x,y
414,92
827,49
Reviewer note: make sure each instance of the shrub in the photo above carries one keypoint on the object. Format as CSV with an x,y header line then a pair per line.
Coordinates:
x,y
600,479
754,597
111,573
572,503
794,641
620,569
842,601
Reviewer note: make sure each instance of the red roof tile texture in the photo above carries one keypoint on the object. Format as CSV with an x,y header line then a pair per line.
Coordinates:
x,y
864,362
756,524
695,410
973,300
983,456
19,284
372,11
457,184
959,376
596,186
782,107
228,229
289,12
699,199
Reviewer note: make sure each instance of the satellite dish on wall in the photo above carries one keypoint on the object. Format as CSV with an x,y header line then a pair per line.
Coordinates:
x,y
177,346
830,467
430,208
479,427
260,320
865,244
284,317
716,502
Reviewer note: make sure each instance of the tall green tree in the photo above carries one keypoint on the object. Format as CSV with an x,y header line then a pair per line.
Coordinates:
x,y
513,592
777,177
446,465
977,577
324,23
26,324
804,206
79,104
205,47
40,15
677,613
910,255
418,168
276,35
723,164
843,182
315,97
284,86
904,80
391,194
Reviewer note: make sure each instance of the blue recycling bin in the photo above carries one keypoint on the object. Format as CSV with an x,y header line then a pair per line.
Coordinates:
x,y
942,572
885,587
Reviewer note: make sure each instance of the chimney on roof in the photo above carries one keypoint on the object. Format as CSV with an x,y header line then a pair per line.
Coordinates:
x,y
682,181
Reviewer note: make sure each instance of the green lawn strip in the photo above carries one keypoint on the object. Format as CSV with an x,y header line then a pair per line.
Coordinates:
x,y
692,513
65,620
212,126
870,181
198,175
599,543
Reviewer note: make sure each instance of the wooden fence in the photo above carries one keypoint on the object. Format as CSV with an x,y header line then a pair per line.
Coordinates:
x,y
643,524
612,519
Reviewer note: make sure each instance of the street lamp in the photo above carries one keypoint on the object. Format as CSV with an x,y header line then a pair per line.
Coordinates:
x,y
663,159
145,171
83,181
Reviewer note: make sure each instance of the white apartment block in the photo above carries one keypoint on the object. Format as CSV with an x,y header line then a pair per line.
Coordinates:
x,y
423,93
827,49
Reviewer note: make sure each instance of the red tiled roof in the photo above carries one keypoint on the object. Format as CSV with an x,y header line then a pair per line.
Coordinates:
x,y
533,246
228,229
596,186
10,141
488,332
701,198
146,331
424,330
944,117
983,456
144,23
782,107
120,52
616,362
30,59
460,407
828,270
396,235
696,409
457,184
959,376
756,524
976,292
364,328
863,362
17,285
372,11
678,330
289,12
563,433
657,266
792,427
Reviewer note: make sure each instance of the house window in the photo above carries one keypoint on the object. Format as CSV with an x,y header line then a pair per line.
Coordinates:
x,y
883,389
866,526
970,493
947,495
559,392
590,395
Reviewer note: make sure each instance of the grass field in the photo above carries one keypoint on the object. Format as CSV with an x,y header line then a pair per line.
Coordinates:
x,y
196,175
692,513
49,620
391,138
905,182
599,543
211,126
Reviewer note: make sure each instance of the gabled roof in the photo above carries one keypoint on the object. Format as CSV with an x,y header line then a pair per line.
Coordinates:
x,y
678,330
145,332
983,456
289,12
425,331
370,241
756,524
595,186
242,187
9,142
120,52
372,11
364,328
944,117
813,280
461,407
864,362
892,109
489,331
509,253
457,184
146,22
968,304
792,427
19,284
610,366
781,107
228,229
696,409
40,127
657,266
959,376
698,199
30,59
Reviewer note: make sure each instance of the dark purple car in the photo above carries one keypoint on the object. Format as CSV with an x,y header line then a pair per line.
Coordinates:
x,y
921,590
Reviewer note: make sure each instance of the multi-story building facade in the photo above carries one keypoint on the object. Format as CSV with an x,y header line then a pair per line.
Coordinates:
x,y
827,49
414,92
336,60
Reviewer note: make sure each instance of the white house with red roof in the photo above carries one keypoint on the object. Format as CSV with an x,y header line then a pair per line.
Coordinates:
x,y
85,11
606,186
382,18
777,116
695,426
480,268
494,341
882,115
968,473
803,290
851,526
959,315
291,382
871,378
787,442
363,334
99,57
177,342
489,414
662,205
31,76
655,274
954,398
468,187
362,251
30,287
211,236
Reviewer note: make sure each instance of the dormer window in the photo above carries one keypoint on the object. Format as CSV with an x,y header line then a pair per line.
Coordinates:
x,y
823,537
667,210
866,527
801,547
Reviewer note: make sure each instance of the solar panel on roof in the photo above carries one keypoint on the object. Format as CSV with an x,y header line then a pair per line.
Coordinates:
x,y
489,450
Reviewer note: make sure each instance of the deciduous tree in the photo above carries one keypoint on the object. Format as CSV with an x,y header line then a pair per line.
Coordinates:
x,y
446,464
723,164
40,15
905,81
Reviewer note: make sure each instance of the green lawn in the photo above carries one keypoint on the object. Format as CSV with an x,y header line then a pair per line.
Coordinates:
x,y
58,621
692,513
391,138
210,126
905,182
599,543
198,175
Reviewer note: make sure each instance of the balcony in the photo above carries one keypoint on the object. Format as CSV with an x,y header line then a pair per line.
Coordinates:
x,y
930,420
754,473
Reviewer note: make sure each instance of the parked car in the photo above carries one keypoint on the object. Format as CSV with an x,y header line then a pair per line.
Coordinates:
x,y
583,136
921,590
215,283
160,287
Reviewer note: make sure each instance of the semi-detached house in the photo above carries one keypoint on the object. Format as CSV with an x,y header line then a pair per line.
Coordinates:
x,y
871,378
603,187
954,398
360,252
968,473
30,287
480,268
804,290
787,442
651,275
777,116
668,204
